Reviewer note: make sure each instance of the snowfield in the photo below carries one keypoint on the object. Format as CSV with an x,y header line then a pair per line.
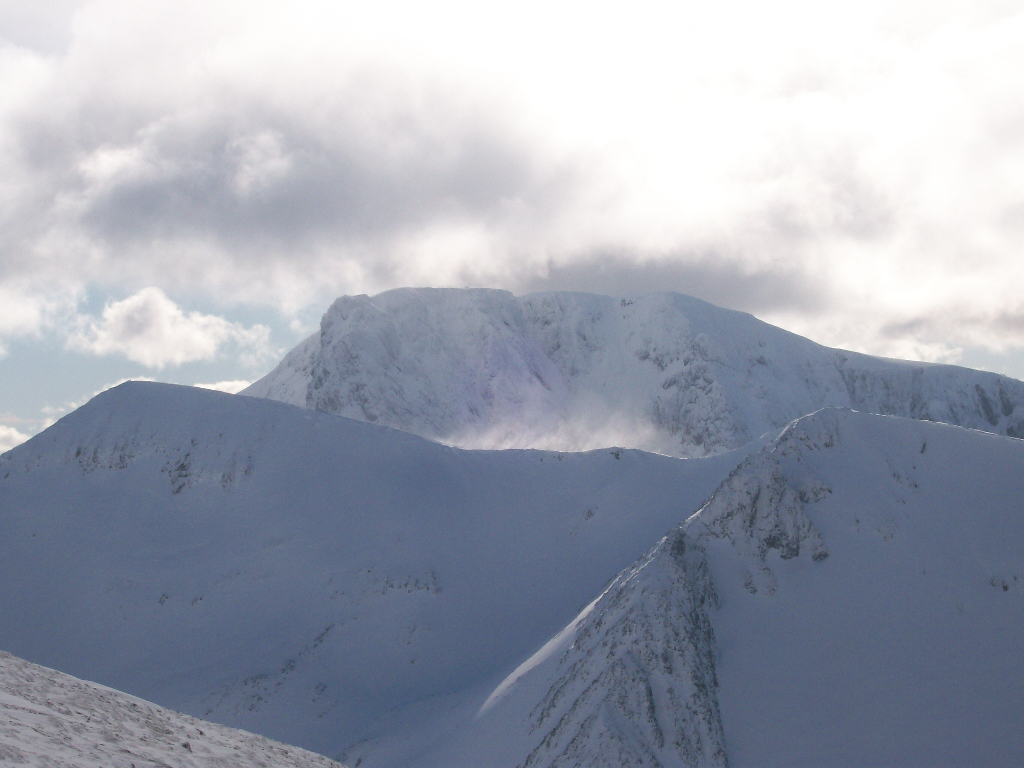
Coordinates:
x,y
51,719
574,371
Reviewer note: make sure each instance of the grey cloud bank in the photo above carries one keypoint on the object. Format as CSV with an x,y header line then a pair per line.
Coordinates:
x,y
727,282
852,173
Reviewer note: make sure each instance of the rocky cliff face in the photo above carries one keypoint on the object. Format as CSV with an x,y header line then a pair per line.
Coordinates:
x,y
637,687
569,371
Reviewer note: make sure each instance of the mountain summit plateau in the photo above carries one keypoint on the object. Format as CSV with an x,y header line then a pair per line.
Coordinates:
x,y
574,371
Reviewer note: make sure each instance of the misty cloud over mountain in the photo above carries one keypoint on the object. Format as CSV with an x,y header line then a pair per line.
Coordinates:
x,y
815,166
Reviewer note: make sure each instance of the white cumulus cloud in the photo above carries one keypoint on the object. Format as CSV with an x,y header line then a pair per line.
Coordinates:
x,y
149,328
28,310
10,437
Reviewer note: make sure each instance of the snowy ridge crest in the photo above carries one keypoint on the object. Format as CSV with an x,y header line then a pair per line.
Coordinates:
x,y
759,508
119,428
638,686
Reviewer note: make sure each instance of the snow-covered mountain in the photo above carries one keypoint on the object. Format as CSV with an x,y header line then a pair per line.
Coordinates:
x,y
51,719
851,595
301,575
848,593
572,371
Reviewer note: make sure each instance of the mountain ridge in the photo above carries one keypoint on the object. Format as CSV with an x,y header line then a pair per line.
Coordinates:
x,y
331,570
845,597
381,597
667,373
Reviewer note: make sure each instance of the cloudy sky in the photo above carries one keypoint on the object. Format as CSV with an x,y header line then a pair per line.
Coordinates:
x,y
185,186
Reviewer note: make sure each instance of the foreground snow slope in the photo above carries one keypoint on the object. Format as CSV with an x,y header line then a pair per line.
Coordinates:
x,y
51,719
851,595
302,575
572,371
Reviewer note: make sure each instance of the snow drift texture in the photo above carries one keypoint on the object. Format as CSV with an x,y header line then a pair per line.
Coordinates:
x,y
572,371
54,720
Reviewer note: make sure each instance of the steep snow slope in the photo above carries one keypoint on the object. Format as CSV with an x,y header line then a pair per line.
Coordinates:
x,y
299,574
51,719
572,371
851,595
